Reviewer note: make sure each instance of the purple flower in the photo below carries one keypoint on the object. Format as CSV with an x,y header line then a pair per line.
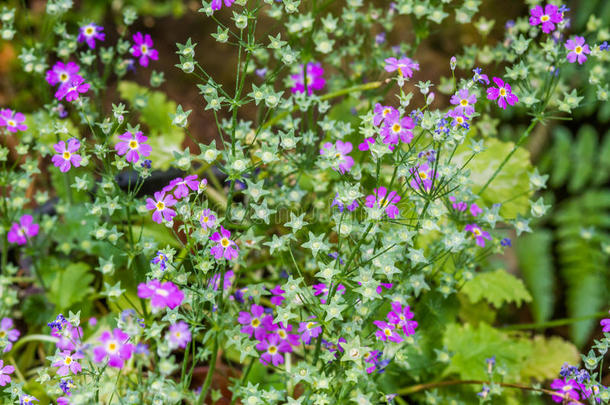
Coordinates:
x,y
4,372
478,234
351,207
578,49
547,17
505,242
465,101
315,81
603,46
387,332
132,146
255,322
143,49
397,128
475,210
115,347
67,362
458,118
277,297
66,157
22,231
207,219
62,73
479,77
606,325
401,317
13,121
161,295
179,335
382,199
182,186
322,289
382,112
225,247
567,389
273,348
160,259
284,334
405,66
66,385
90,33
228,280
72,89
503,93
423,175
27,400
380,38
217,4
309,330
340,151
161,205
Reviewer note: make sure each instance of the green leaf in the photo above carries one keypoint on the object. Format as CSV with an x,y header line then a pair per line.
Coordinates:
x,y
583,157
536,264
155,112
497,287
71,285
471,346
562,147
548,355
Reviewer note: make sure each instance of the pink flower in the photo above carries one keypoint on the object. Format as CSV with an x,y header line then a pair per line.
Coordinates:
x,y
217,4
382,199
207,219
277,297
458,118
503,93
423,176
309,330
384,112
478,234
161,295
284,334
4,373
225,247
22,231
72,89
475,210
568,388
548,18
161,205
115,347
579,50
315,81
255,323
396,128
62,73
229,278
66,157
133,146
405,66
143,49
179,335
387,332
401,317
90,33
182,186
13,121
340,151
67,363
322,290
273,347
606,324
465,101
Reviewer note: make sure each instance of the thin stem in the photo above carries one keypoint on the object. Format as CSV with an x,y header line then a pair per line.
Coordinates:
x,y
208,378
556,322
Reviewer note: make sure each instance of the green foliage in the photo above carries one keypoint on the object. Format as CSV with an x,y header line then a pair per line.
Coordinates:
x,y
547,356
70,286
497,287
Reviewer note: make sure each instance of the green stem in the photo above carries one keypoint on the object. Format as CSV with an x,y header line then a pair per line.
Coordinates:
x,y
556,322
208,378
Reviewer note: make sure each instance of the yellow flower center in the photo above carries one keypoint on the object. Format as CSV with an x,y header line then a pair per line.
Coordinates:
x,y
205,219
503,92
68,360
578,49
476,232
11,123
177,334
63,77
160,205
89,31
386,111
67,155
396,127
144,49
545,18
309,325
460,120
224,242
133,144
255,322
2,333
464,102
282,334
272,349
112,346
423,175
387,332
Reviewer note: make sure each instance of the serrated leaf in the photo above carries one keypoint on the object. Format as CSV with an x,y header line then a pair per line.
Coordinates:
x,y
497,287
536,264
548,355
70,286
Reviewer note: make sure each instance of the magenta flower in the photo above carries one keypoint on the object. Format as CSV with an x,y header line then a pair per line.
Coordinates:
x,y
568,388
503,93
401,317
182,186
322,291
579,50
229,278
132,146
315,79
387,332
373,358
62,73
478,234
161,205
547,17
68,362
22,231
396,128
606,324
4,373
458,118
351,207
273,348
66,157
277,297
90,33
217,4
208,219
340,151
465,101
115,347
423,176
383,112
284,333
8,333
309,330
143,49
27,399
161,295
255,322
72,89
405,66
458,206
475,210
179,335
382,199
225,247
13,121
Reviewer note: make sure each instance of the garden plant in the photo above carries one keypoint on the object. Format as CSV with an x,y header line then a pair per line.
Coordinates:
x,y
344,237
